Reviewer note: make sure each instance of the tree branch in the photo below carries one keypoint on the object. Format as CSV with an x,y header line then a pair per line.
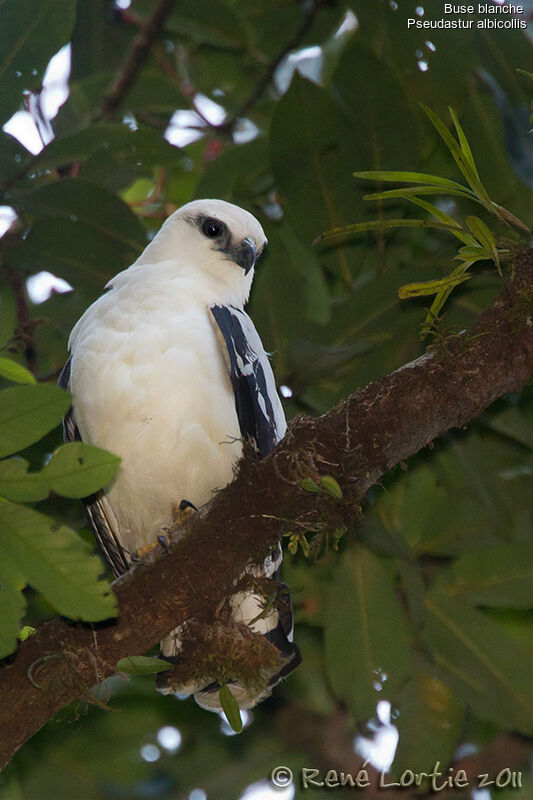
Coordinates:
x,y
357,442
138,53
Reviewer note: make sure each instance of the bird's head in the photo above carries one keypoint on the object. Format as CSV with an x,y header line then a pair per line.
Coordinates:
x,y
213,237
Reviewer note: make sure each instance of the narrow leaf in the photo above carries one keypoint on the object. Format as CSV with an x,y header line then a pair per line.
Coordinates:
x,y
459,157
381,225
508,217
230,708
485,237
389,194
454,227
424,288
410,177
441,298
142,665
463,142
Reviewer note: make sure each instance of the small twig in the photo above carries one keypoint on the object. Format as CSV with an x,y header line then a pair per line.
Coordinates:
x,y
25,324
229,124
138,53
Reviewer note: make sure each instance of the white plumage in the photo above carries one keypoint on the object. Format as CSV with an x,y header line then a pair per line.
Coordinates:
x,y
168,372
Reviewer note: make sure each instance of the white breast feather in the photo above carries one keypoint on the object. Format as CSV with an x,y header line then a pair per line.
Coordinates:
x,y
150,383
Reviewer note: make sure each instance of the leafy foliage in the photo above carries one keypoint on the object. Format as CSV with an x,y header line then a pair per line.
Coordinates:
x,y
35,549
479,243
436,593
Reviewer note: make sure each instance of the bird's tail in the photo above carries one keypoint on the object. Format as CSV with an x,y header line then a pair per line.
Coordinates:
x,y
272,620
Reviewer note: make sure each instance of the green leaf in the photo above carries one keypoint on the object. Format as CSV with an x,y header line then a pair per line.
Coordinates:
x,y
129,148
311,143
390,176
309,485
453,226
25,632
496,576
481,661
416,509
409,191
441,298
230,708
485,236
142,665
513,423
57,563
83,202
526,73
463,142
423,288
15,372
13,157
331,486
384,129
27,413
367,647
209,22
75,470
380,225
30,34
75,252
429,722
81,232
463,159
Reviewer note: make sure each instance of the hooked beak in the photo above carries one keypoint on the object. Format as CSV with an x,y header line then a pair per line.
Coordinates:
x,y
246,255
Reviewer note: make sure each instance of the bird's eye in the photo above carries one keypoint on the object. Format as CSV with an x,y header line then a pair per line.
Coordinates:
x,y
212,228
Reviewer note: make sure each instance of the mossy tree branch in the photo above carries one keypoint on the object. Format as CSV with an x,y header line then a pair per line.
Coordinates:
x,y
357,442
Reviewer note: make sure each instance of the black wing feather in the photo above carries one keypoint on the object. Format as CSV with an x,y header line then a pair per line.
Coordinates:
x,y
96,507
257,423
252,401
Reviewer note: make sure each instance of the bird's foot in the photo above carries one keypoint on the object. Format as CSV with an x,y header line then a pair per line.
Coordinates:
x,y
163,540
143,552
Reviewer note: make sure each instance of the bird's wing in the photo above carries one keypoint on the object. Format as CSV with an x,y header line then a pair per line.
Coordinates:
x,y
259,409
98,511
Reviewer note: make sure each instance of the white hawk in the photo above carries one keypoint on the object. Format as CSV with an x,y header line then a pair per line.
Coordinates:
x,y
167,371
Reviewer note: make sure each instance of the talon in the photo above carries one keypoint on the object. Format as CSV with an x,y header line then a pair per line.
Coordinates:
x,y
186,504
185,509
163,541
